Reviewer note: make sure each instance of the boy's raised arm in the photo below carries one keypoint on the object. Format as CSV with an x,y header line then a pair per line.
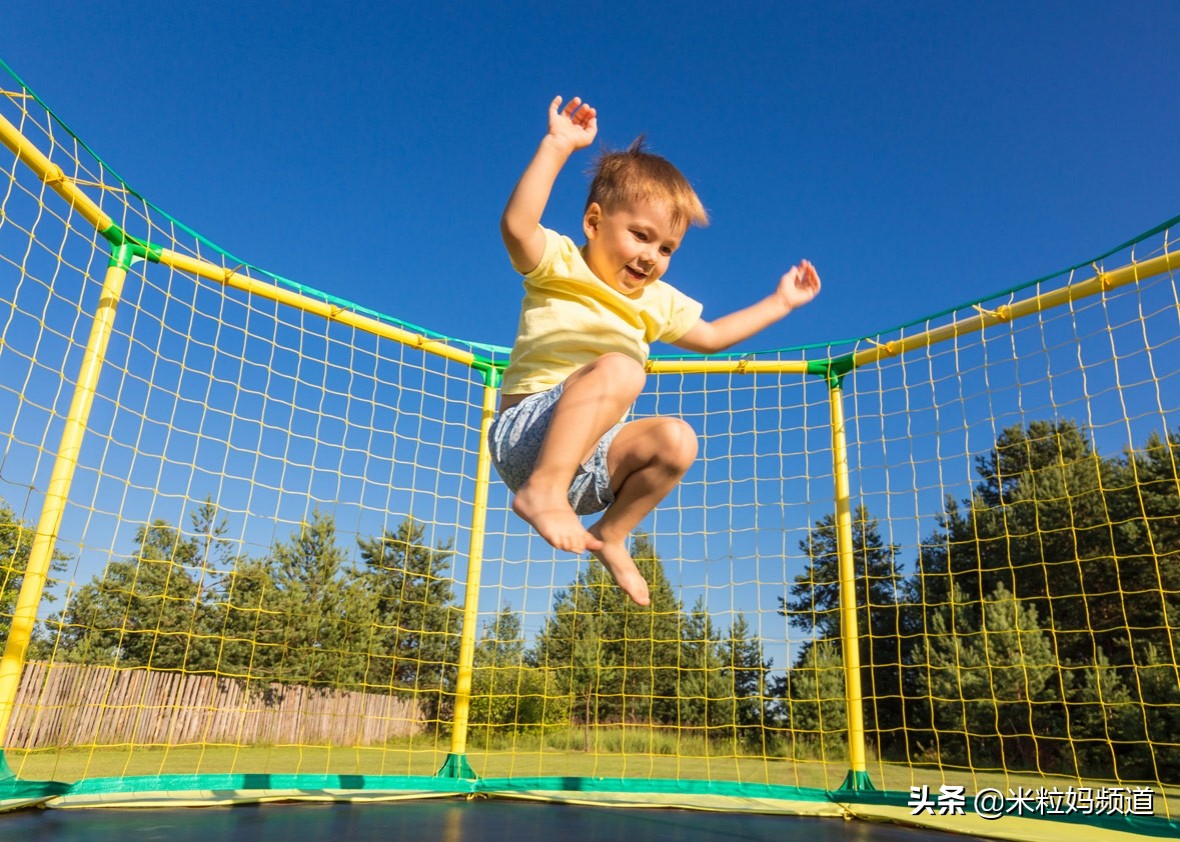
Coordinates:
x,y
570,129
796,288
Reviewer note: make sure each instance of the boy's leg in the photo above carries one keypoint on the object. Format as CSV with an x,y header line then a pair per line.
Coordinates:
x,y
646,460
593,399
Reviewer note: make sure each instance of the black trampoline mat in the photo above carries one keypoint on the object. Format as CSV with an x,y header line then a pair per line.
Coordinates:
x,y
449,820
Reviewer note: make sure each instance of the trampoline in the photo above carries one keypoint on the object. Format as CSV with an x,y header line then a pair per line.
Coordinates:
x,y
446,821
273,498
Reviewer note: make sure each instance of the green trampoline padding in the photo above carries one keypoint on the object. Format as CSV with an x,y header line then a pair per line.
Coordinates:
x,y
16,793
691,809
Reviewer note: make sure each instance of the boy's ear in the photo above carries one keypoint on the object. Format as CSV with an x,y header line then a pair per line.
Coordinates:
x,y
591,220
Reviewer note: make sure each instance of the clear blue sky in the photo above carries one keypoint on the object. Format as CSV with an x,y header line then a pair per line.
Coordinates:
x,y
921,155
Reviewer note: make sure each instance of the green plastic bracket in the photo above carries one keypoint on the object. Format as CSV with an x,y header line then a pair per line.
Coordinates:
x,y
493,372
16,790
857,782
125,249
456,766
832,370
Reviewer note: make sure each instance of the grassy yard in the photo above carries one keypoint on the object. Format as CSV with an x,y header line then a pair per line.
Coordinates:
x,y
118,761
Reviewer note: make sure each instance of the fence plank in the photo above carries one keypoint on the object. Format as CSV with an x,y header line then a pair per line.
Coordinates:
x,y
60,705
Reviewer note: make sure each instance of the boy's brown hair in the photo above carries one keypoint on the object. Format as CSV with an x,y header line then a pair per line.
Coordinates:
x,y
636,175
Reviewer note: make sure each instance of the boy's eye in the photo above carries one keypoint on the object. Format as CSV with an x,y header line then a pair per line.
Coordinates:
x,y
639,235
666,251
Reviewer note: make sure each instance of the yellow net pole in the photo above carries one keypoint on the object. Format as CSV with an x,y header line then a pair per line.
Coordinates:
x,y
60,183
325,309
849,633
52,175
24,615
740,365
1100,282
456,764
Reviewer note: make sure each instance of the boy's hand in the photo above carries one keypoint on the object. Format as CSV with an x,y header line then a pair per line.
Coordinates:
x,y
799,285
576,124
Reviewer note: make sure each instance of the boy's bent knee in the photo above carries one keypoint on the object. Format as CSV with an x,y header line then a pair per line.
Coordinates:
x,y
626,373
677,444
620,364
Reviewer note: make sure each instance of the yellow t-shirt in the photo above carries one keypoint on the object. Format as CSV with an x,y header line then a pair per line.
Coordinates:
x,y
571,317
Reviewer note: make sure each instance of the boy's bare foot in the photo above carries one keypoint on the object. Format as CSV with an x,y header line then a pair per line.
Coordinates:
x,y
619,564
550,514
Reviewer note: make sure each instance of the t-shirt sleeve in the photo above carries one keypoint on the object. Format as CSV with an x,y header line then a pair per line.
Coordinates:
x,y
682,313
557,258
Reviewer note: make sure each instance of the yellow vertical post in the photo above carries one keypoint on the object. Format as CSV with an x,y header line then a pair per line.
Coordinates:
x,y
456,765
857,777
24,615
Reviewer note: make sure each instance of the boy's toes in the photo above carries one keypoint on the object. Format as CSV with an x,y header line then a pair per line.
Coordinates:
x,y
621,566
568,543
638,591
554,521
575,541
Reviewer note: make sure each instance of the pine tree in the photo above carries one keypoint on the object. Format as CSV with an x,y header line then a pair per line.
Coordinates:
x,y
506,692
705,694
742,655
502,641
318,610
1146,512
1108,723
16,541
615,659
145,610
1072,531
814,604
814,706
1157,757
416,638
251,628
994,683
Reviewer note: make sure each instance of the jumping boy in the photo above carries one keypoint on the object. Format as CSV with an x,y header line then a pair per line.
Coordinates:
x,y
588,318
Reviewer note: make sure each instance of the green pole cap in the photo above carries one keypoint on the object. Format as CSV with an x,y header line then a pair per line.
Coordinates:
x,y
857,782
832,370
125,249
493,372
456,766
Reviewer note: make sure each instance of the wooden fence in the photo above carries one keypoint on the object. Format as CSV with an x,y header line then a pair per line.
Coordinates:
x,y
60,705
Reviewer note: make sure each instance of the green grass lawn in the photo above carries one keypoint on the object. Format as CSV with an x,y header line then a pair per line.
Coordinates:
x,y
118,761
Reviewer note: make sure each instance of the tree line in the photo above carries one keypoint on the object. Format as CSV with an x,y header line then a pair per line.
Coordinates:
x,y
304,614
1037,629
301,614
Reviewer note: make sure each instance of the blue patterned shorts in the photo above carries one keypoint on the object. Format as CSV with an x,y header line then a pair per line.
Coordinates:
x,y
515,441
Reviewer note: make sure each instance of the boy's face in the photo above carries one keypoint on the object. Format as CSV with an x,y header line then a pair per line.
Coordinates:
x,y
630,246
